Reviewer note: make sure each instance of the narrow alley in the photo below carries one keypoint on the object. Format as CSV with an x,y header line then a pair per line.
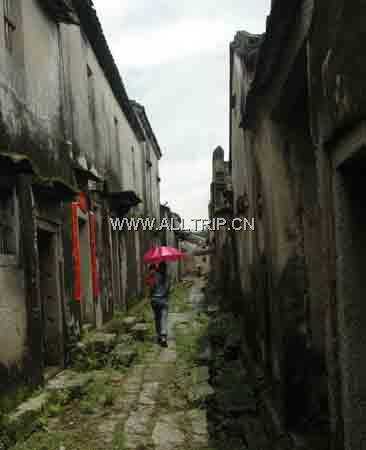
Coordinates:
x,y
125,392
196,163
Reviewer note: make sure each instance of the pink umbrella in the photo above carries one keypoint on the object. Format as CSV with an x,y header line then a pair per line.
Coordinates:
x,y
158,254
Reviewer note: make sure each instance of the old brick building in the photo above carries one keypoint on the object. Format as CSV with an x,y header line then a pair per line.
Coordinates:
x,y
74,151
297,139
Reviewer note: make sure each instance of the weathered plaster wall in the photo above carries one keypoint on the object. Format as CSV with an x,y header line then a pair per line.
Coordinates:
x,y
147,175
42,50
138,167
337,66
12,88
148,180
337,72
30,99
30,123
155,185
106,141
13,317
308,244
279,266
241,170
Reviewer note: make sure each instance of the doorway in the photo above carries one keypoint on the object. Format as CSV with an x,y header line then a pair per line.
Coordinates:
x,y
50,292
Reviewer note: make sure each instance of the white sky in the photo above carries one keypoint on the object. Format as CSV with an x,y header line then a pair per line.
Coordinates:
x,y
174,59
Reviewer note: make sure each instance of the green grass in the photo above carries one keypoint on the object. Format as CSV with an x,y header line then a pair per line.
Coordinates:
x,y
189,347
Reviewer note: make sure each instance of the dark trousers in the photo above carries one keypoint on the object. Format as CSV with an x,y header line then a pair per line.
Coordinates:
x,y
161,310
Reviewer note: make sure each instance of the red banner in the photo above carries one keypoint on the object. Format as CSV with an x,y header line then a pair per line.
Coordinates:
x,y
76,257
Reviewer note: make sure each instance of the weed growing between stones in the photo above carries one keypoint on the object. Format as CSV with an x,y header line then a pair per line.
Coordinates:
x,y
99,395
190,338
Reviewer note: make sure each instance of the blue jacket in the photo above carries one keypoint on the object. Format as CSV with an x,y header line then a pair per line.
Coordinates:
x,y
160,291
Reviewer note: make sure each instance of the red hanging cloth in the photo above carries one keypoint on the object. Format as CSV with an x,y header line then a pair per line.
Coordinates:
x,y
76,257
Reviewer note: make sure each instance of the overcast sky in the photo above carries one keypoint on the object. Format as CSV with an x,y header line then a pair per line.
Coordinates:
x,y
174,59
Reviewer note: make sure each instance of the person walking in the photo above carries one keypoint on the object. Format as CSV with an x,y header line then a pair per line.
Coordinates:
x,y
160,303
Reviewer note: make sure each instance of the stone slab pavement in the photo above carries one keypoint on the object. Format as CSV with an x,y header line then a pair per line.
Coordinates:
x,y
169,425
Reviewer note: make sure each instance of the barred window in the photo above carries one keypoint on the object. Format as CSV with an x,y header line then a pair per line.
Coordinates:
x,y
9,25
7,223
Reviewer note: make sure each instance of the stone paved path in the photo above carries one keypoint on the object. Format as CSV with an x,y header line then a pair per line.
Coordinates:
x,y
157,419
